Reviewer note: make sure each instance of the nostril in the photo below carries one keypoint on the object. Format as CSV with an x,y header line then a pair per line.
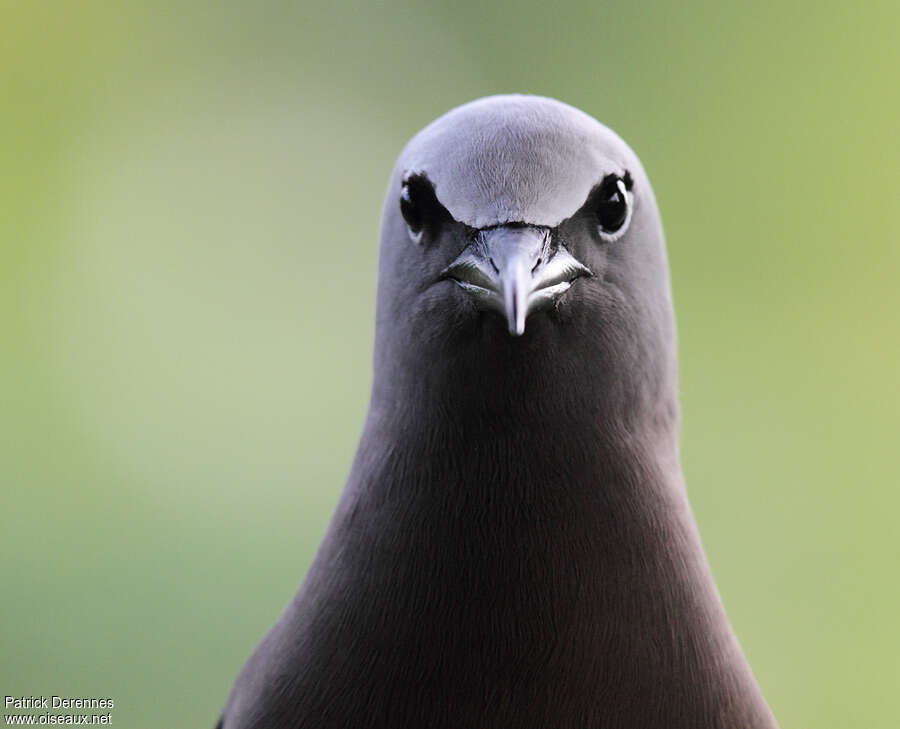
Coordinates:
x,y
537,265
494,265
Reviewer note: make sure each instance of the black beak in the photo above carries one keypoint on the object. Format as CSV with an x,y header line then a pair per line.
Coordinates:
x,y
514,270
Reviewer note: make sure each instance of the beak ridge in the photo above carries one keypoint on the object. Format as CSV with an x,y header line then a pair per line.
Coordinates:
x,y
515,299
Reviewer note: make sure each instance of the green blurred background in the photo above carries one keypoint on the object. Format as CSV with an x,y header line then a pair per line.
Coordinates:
x,y
189,205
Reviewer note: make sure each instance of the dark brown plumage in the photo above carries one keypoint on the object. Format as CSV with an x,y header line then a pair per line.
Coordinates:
x,y
514,545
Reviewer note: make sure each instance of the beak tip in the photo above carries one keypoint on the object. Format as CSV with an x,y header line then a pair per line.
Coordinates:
x,y
517,326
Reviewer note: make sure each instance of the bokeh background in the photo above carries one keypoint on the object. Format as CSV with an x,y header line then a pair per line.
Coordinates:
x,y
189,205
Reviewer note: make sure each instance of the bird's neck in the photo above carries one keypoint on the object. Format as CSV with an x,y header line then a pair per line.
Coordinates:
x,y
530,559
501,485
533,505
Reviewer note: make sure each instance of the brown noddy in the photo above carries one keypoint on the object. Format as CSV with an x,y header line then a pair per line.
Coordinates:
x,y
514,545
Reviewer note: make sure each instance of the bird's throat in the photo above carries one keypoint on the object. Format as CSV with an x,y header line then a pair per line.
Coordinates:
x,y
509,580
524,566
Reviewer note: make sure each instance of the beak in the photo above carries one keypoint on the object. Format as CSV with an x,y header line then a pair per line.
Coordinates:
x,y
514,270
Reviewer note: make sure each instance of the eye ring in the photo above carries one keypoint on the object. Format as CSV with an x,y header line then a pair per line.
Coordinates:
x,y
614,205
420,208
411,210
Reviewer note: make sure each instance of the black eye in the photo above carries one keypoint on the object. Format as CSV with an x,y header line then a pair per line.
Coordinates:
x,y
612,203
420,208
410,210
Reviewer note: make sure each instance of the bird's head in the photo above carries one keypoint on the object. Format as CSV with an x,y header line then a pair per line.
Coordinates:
x,y
520,225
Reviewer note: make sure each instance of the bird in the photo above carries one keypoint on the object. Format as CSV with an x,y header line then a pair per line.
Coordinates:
x,y
514,546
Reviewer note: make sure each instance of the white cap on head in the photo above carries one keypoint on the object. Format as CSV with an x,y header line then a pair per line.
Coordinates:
x,y
525,179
